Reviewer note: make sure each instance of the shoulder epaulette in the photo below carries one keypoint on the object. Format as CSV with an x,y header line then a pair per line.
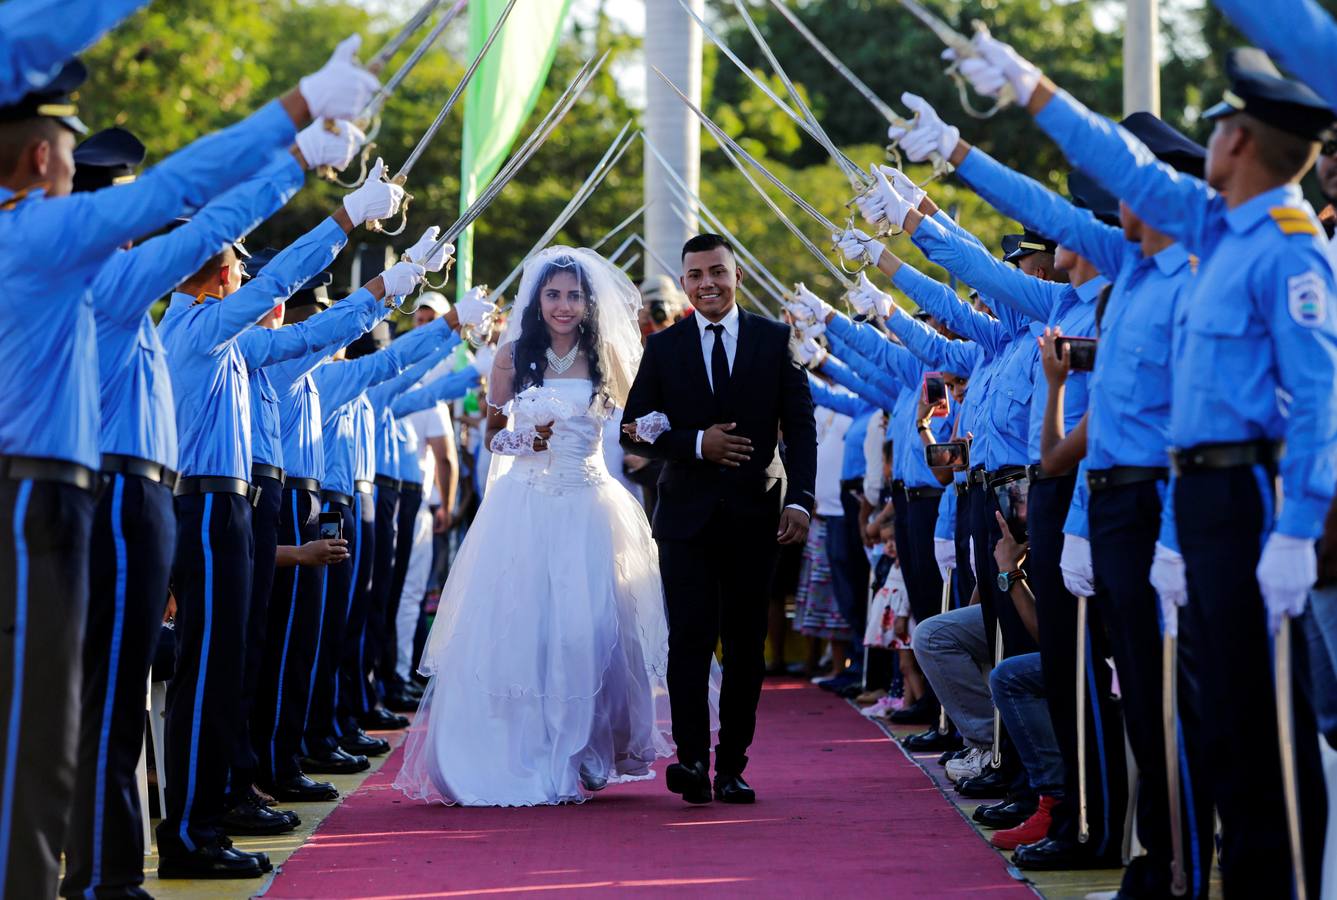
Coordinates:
x,y
15,200
1293,221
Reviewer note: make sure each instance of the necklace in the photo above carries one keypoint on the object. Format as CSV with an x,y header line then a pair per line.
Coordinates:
x,y
560,364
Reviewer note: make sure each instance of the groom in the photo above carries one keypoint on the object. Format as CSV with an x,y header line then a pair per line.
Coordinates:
x,y
731,390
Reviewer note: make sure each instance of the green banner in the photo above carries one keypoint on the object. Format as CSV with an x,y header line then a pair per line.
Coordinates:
x,y
501,96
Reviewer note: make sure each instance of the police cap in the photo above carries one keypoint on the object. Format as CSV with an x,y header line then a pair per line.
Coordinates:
x,y
1017,246
1167,144
51,101
107,158
1257,88
1087,194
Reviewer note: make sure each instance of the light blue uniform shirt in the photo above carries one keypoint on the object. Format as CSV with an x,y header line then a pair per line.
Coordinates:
x,y
49,386
855,372
448,387
1129,422
382,395
945,528
1300,36
1255,340
1077,522
212,346
37,38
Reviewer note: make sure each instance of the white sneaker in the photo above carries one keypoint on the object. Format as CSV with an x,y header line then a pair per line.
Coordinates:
x,y
968,766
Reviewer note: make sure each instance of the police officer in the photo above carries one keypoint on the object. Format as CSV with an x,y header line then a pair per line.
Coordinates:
x,y
1259,243
42,35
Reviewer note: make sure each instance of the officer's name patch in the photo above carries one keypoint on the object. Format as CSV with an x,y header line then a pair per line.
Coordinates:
x,y
1307,297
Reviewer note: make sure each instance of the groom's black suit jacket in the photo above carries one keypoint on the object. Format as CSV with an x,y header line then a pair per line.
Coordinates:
x,y
768,397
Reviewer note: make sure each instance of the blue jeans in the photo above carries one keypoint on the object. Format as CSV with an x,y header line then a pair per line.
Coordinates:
x,y
1320,629
1019,693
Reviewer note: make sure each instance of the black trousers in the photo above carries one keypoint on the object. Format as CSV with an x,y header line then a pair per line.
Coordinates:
x,y
44,541
374,636
998,608
265,531
923,584
410,501
1056,615
211,580
717,588
288,658
1223,517
964,573
319,729
1125,522
352,693
849,570
130,559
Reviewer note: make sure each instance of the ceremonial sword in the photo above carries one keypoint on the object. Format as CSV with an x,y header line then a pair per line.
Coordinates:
x,y
964,49
1290,792
1170,727
620,225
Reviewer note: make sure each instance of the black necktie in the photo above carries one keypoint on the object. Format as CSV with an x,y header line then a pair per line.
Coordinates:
x,y
719,367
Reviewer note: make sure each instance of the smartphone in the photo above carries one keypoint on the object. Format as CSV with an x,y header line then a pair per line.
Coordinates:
x,y
331,526
951,455
1081,352
935,393
1012,504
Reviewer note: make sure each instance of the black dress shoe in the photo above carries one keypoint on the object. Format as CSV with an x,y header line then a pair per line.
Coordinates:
x,y
301,789
214,860
380,719
1007,814
733,789
401,702
988,784
261,858
1055,854
922,712
692,782
250,817
931,742
335,762
359,742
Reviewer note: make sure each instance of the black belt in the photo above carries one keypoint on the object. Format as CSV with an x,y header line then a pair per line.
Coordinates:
x,y
23,468
1036,472
898,485
1005,475
362,487
119,464
386,481
210,484
410,486
1225,456
264,470
962,488
336,497
978,475
1118,476
302,484
919,493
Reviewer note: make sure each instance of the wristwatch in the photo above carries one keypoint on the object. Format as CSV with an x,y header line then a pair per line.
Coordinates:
x,y
1007,579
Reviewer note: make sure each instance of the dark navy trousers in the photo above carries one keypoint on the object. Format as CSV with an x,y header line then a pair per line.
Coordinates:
x,y
265,531
351,693
319,729
375,635
410,501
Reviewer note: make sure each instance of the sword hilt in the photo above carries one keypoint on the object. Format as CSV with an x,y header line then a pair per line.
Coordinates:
x,y
445,279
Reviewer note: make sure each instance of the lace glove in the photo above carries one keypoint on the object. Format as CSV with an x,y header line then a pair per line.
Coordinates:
x,y
329,143
474,308
650,426
867,299
1286,571
929,134
1167,577
341,88
944,551
1078,576
514,442
855,245
375,199
418,253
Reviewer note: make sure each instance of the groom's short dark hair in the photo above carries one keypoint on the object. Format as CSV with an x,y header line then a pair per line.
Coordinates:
x,y
705,242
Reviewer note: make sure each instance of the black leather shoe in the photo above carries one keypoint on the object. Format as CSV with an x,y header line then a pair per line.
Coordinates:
x,y
987,785
380,719
301,789
922,712
261,858
210,861
401,702
1008,814
1054,854
250,817
335,762
692,782
733,789
359,742
931,742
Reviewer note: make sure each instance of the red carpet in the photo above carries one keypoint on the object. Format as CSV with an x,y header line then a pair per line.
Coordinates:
x,y
841,813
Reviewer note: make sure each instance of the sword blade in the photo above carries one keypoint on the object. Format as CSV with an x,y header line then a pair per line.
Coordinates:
x,y
377,62
618,227
402,175
377,102
946,33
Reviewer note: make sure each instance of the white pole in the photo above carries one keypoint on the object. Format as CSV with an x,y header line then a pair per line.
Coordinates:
x,y
673,44
1141,67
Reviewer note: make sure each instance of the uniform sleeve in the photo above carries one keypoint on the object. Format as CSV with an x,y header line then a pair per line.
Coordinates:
x,y
1169,201
130,282
1078,523
936,351
384,393
1034,205
1031,297
1169,535
955,227
941,301
37,38
447,387
843,402
1299,35
878,387
873,346
945,528
1303,330
336,327
422,342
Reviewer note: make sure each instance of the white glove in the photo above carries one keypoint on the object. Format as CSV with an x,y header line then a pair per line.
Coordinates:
x,y
341,88
904,185
812,331
376,199
650,426
418,252
929,134
818,308
483,359
886,203
854,244
401,278
1020,73
1287,570
867,299
800,313
474,308
1171,584
808,352
330,142
944,551
1075,562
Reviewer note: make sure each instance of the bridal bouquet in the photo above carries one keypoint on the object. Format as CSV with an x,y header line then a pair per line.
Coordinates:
x,y
543,404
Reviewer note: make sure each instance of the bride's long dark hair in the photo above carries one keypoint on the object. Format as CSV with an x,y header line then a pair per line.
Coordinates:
x,y
532,344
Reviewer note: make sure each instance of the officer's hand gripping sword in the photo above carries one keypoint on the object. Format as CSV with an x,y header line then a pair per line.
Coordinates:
x,y
963,49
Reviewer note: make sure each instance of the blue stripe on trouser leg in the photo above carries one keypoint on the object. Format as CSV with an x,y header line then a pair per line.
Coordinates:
x,y
319,697
338,649
203,676
16,691
287,639
1093,693
113,667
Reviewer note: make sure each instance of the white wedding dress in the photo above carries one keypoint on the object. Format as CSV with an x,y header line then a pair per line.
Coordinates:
x,y
549,653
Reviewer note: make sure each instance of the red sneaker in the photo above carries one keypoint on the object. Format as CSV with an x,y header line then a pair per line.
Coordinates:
x,y
1033,829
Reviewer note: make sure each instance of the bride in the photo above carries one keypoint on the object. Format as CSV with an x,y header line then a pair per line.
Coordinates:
x,y
547,659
